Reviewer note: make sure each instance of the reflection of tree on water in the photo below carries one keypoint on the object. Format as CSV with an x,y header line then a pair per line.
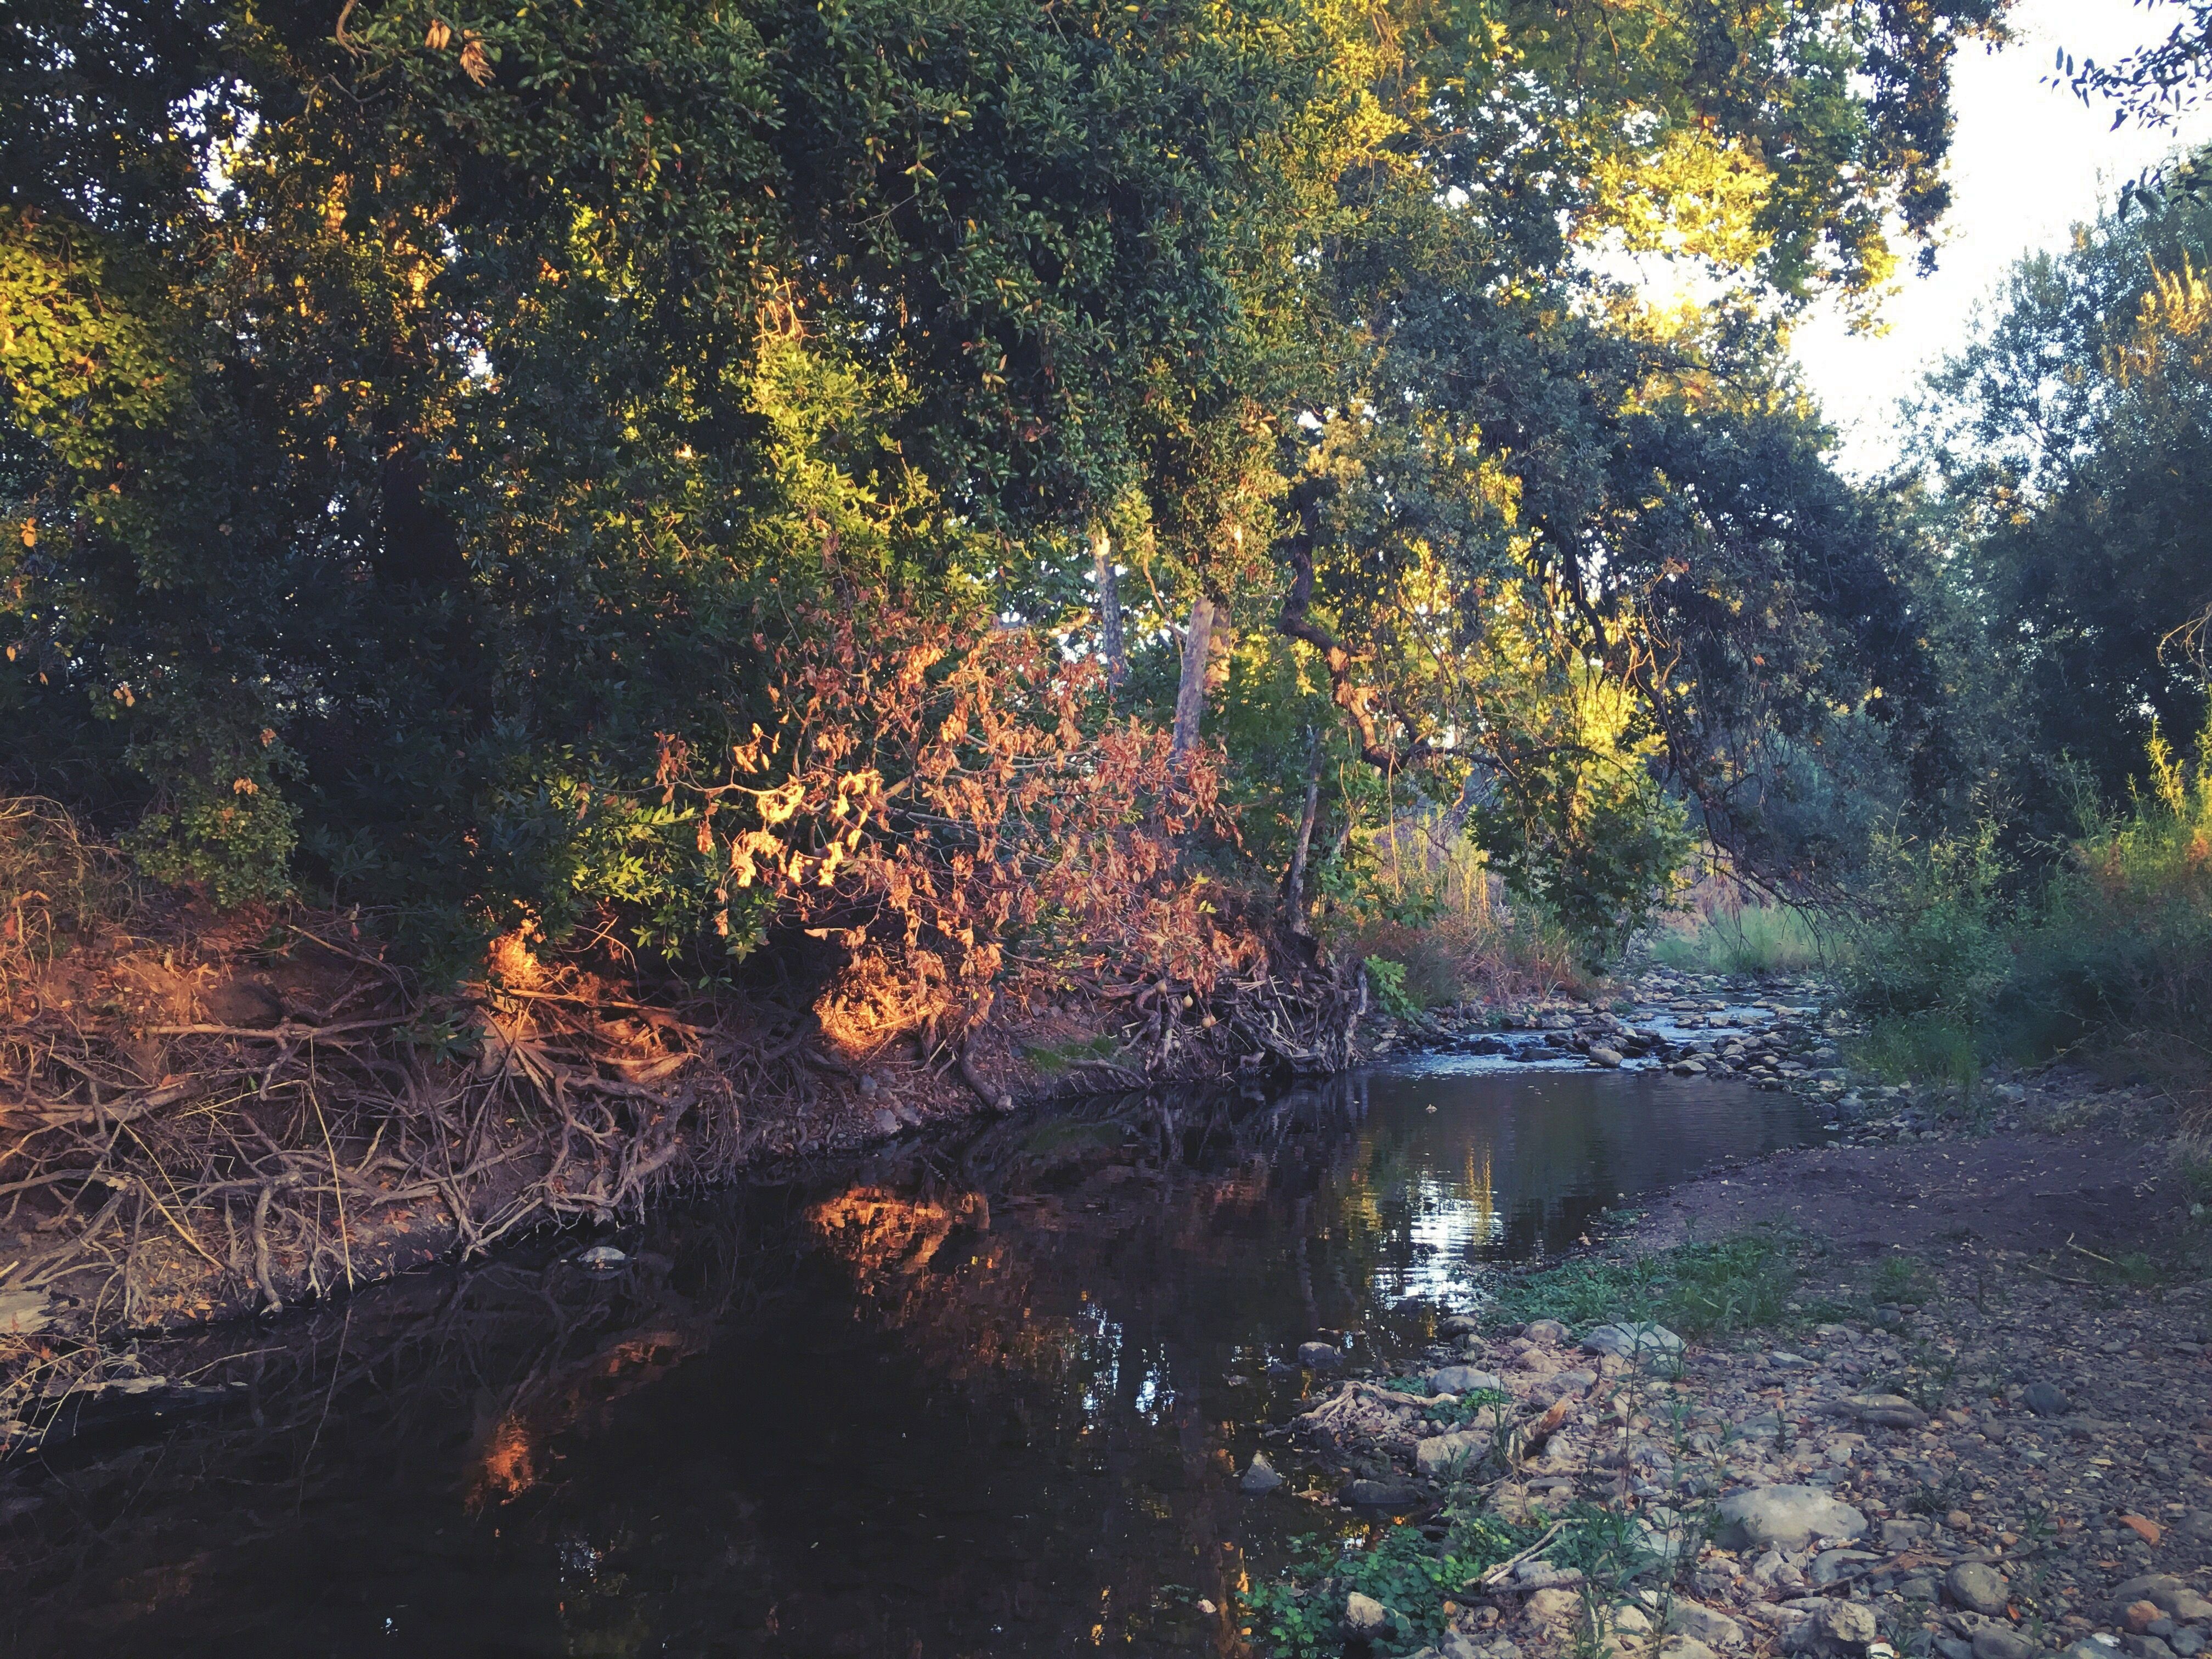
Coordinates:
x,y
973,1397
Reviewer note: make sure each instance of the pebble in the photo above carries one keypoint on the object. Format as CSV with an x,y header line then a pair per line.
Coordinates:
x,y
2002,1642
2045,1398
1978,1586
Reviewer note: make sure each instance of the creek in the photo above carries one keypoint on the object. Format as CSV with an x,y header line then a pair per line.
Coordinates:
x,y
975,1396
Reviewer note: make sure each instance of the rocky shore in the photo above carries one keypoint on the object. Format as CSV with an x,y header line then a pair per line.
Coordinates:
x,y
1980,1428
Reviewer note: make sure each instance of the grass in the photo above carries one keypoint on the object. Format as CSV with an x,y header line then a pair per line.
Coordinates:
x,y
1763,939
1741,1282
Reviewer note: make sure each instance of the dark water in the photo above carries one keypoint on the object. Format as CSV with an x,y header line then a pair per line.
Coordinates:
x,y
972,1398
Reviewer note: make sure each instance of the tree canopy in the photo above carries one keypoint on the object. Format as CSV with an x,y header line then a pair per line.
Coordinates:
x,y
416,418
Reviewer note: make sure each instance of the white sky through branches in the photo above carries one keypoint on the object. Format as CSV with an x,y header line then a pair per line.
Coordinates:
x,y
2028,162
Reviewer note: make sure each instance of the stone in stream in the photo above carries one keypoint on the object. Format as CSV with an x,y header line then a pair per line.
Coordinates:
x,y
1787,1517
1259,1476
1978,1586
1465,1379
1630,1340
1608,1058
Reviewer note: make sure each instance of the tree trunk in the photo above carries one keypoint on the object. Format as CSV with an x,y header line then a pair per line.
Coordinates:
x,y
1110,645
1294,878
1190,693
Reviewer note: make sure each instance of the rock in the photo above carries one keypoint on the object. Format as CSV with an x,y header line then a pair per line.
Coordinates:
x,y
2168,1593
1545,1576
23,1313
1630,1340
886,1120
2150,1647
1259,1476
1382,1494
1952,1648
2045,1398
1465,1379
1443,1457
2002,1642
1545,1330
1365,1618
1705,1625
1843,1627
1632,1620
1608,1058
2188,1643
1319,1356
1554,1387
1684,1647
600,1258
1788,1516
2142,1615
1554,1606
1902,1535
1457,1325
1887,1411
1832,1564
1977,1585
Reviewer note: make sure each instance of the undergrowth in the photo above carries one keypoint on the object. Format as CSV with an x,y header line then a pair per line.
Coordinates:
x,y
1298,1615
1741,1282
1763,939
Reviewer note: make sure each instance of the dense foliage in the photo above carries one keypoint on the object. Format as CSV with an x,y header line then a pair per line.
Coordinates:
x,y
418,422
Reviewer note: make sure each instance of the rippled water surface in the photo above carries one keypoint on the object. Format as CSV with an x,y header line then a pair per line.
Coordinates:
x,y
973,1397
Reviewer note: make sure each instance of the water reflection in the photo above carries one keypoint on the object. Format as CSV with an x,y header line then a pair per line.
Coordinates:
x,y
967,1398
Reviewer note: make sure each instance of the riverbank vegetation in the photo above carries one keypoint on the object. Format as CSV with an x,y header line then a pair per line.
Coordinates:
x,y
575,568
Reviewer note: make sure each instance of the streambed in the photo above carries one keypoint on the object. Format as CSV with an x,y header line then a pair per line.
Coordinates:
x,y
977,1396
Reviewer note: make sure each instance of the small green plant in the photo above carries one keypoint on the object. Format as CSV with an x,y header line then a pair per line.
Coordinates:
x,y
1388,979
1898,1279
1741,1282
1297,1614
